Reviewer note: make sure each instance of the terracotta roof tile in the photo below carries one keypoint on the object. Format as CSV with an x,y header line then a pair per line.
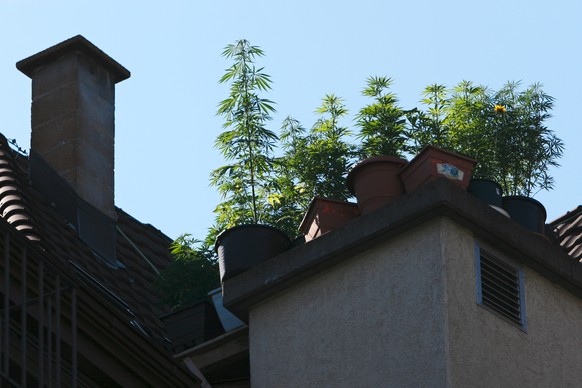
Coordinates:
x,y
142,250
568,230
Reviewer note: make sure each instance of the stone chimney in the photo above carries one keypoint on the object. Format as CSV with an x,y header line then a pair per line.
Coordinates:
x,y
73,124
72,141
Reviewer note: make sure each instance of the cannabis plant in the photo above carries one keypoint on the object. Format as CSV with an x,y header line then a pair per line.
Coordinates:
x,y
318,159
245,143
524,147
504,130
382,123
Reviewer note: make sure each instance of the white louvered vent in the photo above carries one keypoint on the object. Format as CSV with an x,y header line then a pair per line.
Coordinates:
x,y
500,288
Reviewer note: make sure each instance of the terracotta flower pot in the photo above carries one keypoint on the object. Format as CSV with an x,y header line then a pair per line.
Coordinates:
x,y
326,214
433,163
375,182
245,246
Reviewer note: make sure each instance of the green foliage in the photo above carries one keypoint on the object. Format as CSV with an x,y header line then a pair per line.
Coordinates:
x,y
318,159
503,130
430,126
382,123
524,148
245,142
512,145
314,163
289,196
192,273
468,116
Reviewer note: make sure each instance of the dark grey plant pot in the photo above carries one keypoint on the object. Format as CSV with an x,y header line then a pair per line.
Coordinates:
x,y
526,211
192,325
245,246
487,191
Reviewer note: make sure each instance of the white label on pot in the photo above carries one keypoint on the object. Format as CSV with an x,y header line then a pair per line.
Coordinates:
x,y
450,171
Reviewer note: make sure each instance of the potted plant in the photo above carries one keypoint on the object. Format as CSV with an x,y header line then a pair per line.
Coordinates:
x,y
525,150
433,163
469,113
526,211
433,135
325,215
244,183
192,325
433,126
319,157
489,192
505,132
374,180
312,182
245,246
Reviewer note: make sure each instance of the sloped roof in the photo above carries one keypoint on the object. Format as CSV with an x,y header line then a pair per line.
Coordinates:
x,y
568,231
142,250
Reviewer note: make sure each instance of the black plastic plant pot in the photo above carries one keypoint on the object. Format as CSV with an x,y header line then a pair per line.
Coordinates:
x,y
192,325
245,246
527,212
487,191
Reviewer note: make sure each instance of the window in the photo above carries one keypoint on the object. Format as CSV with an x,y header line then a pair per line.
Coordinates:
x,y
500,287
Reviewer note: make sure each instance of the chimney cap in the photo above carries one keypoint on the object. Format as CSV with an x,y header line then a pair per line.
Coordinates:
x,y
80,43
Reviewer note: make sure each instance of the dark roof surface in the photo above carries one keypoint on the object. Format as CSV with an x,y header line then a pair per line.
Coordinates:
x,y
142,250
568,230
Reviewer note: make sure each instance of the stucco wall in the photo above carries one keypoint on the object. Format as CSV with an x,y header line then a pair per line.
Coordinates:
x,y
486,351
374,321
405,314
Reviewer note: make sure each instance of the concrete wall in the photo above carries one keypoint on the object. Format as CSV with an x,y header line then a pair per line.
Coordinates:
x,y
405,314
374,321
486,351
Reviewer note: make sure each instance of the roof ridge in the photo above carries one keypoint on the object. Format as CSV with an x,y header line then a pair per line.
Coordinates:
x,y
568,215
149,226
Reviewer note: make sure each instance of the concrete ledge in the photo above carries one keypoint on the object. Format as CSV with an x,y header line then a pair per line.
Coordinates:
x,y
436,199
80,43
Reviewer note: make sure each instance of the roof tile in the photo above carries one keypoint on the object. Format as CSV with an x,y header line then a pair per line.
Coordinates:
x,y
568,230
142,250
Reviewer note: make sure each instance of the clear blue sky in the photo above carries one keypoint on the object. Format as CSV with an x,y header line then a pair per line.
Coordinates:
x,y
165,113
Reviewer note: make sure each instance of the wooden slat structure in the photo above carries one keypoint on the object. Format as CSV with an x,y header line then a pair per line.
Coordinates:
x,y
38,305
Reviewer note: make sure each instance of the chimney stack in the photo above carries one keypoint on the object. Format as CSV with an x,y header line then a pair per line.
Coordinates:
x,y
73,123
72,141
